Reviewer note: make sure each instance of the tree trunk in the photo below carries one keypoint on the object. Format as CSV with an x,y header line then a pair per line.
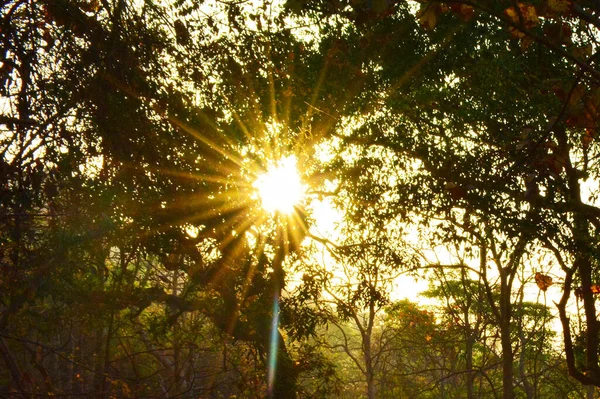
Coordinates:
x,y
507,364
286,376
469,364
507,352
593,327
469,338
582,265
529,391
527,387
369,372
285,383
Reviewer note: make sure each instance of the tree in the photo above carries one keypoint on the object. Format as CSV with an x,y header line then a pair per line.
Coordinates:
x,y
468,91
110,121
421,359
355,290
132,133
466,310
539,368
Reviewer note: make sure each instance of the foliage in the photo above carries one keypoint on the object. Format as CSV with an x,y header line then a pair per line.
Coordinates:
x,y
135,259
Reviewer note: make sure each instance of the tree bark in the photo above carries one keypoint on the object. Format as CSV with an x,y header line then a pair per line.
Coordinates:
x,y
369,372
507,362
507,352
469,364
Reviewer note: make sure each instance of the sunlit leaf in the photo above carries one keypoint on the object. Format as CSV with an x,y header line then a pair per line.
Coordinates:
x,y
525,15
560,6
594,289
543,281
429,14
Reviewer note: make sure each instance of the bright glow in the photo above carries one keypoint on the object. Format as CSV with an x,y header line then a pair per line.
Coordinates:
x,y
280,187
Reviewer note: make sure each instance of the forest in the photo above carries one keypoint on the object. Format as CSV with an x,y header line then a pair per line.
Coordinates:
x,y
300,199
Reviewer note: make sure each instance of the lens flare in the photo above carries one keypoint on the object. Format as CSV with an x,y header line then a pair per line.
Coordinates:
x,y
272,361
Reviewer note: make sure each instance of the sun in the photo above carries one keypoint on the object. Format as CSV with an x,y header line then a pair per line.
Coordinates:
x,y
280,187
